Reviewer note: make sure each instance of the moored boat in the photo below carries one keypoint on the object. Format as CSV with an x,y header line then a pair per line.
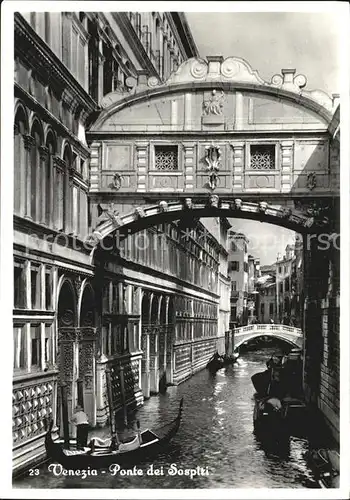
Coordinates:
x,y
325,464
101,454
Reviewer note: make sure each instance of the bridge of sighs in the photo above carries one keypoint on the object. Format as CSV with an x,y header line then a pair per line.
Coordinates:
x,y
216,140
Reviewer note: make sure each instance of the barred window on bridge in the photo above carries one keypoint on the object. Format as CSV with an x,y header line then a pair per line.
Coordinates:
x,y
166,157
262,157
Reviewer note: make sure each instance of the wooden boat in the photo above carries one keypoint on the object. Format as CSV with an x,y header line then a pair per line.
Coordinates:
x,y
215,363
101,454
278,417
325,464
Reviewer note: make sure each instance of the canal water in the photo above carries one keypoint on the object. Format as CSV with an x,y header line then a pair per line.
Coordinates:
x,y
216,434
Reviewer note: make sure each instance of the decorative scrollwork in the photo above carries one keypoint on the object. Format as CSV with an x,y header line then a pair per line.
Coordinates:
x,y
199,69
229,68
153,81
277,80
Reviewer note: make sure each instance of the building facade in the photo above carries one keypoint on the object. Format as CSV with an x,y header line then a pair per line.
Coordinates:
x,y
149,308
238,273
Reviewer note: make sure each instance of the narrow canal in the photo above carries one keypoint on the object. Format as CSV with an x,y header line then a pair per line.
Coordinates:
x,y
216,433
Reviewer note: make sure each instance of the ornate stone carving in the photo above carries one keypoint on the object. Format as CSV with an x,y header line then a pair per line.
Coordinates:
x,y
29,142
214,201
213,156
30,406
215,104
286,212
311,180
139,212
117,181
153,81
43,152
108,212
67,318
263,206
288,81
163,206
237,204
188,203
199,68
77,283
59,163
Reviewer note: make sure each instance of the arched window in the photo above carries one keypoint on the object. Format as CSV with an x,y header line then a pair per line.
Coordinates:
x,y
51,151
93,51
20,130
35,172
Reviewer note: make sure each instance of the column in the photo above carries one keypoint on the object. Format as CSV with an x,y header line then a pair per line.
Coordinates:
x,y
239,114
286,165
110,297
28,349
28,292
101,61
189,165
166,331
154,368
145,378
28,144
238,165
44,154
95,166
42,346
42,286
142,165
188,112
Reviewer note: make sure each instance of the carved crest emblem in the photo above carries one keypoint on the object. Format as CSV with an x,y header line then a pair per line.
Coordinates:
x,y
215,103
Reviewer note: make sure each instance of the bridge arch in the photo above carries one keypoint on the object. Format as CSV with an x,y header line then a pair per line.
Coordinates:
x,y
291,335
147,216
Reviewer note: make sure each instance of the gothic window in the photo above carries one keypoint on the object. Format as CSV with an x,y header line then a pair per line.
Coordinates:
x,y
35,342
19,286
166,157
271,309
35,172
48,289
35,287
19,161
262,157
93,55
19,347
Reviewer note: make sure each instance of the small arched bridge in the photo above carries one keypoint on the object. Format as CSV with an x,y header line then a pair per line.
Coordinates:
x,y
290,334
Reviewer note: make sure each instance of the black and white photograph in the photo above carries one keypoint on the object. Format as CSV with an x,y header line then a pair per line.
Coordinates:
x,y
173,275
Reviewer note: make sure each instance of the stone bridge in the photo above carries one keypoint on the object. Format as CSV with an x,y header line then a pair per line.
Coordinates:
x,y
289,334
217,140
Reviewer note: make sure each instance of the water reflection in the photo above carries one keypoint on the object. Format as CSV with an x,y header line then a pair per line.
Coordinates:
x,y
216,432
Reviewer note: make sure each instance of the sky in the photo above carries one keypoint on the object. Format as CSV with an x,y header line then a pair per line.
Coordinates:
x,y
270,41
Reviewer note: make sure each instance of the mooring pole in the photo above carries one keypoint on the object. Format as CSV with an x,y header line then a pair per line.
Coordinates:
x,y
80,383
122,390
110,403
65,415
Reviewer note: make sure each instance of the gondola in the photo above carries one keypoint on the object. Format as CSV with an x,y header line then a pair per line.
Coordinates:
x,y
101,454
325,465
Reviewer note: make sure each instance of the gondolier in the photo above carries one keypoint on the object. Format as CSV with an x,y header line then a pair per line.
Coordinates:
x,y
80,419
